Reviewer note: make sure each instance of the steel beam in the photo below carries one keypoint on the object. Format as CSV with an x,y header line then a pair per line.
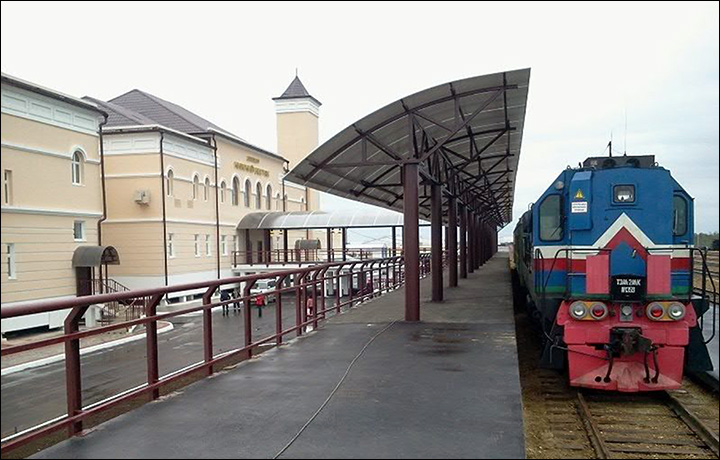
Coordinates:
x,y
436,242
452,242
411,241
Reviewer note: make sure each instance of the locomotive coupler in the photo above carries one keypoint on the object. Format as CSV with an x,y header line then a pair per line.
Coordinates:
x,y
625,341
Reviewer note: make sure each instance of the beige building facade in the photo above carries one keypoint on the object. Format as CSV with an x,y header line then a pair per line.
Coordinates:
x,y
51,194
175,187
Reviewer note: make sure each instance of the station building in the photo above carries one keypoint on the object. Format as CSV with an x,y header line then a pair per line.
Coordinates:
x,y
157,189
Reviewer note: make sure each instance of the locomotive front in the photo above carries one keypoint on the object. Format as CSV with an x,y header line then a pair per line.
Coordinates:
x,y
611,275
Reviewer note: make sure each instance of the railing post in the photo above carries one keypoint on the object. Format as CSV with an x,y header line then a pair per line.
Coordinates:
x,y
247,317
153,367
73,377
299,308
338,286
207,328
278,309
315,309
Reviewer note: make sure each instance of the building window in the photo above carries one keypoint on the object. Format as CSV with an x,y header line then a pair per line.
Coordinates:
x,y
550,217
171,245
206,189
7,187
11,272
207,246
79,230
77,168
248,191
268,196
258,196
170,183
223,188
235,191
196,187
197,245
223,245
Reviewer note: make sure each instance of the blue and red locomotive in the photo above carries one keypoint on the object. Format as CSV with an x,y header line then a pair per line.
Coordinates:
x,y
604,262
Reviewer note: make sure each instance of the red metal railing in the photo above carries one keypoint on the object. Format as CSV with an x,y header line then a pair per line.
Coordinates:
x,y
373,278
304,256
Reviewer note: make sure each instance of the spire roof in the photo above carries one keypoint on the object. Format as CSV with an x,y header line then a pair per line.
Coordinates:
x,y
296,90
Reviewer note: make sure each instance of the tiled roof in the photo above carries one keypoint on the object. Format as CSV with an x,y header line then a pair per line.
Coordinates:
x,y
296,90
119,115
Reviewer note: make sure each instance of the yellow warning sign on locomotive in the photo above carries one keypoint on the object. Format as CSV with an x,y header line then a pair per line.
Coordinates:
x,y
579,195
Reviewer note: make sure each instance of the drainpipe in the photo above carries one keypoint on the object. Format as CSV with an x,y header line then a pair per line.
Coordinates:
x,y
164,212
284,201
217,207
102,186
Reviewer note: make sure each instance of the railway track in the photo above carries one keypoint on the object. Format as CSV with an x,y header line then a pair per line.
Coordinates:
x,y
586,424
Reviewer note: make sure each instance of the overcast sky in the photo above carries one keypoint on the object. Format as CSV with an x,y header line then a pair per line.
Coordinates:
x,y
591,65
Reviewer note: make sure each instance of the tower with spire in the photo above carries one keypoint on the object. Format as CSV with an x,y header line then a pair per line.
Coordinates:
x,y
297,127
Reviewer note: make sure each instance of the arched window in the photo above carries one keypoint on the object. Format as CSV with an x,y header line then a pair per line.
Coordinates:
x,y
248,190
206,189
258,196
235,191
268,196
277,202
169,186
223,187
77,168
196,187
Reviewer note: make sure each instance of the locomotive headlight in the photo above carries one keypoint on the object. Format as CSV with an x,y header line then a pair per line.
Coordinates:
x,y
676,311
598,310
655,311
578,310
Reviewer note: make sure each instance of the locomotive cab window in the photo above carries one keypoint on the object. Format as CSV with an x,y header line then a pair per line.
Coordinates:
x,y
680,216
550,217
624,194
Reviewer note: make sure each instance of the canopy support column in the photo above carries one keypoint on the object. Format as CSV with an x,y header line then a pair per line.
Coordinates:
x,y
471,241
344,244
328,243
411,241
394,241
452,242
285,245
436,242
463,242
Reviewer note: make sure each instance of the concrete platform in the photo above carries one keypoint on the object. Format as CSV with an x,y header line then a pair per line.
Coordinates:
x,y
446,387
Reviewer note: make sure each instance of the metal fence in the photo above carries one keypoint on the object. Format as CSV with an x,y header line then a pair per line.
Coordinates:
x,y
362,280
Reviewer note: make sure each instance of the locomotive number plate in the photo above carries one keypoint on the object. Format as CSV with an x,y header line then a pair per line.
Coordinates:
x,y
628,287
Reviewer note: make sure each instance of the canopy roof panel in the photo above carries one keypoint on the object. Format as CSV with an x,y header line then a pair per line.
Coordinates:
x,y
465,135
94,256
317,220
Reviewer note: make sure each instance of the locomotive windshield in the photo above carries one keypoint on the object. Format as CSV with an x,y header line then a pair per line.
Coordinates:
x,y
679,216
624,194
551,219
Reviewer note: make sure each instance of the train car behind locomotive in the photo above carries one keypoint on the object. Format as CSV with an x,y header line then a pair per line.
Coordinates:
x,y
603,261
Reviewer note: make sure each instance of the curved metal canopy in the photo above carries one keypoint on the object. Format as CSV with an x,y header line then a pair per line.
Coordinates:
x,y
94,256
317,220
465,135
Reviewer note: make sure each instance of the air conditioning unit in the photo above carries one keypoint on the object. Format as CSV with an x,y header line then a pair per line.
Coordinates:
x,y
142,197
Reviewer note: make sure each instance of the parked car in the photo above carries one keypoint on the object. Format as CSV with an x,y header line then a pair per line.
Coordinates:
x,y
264,288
